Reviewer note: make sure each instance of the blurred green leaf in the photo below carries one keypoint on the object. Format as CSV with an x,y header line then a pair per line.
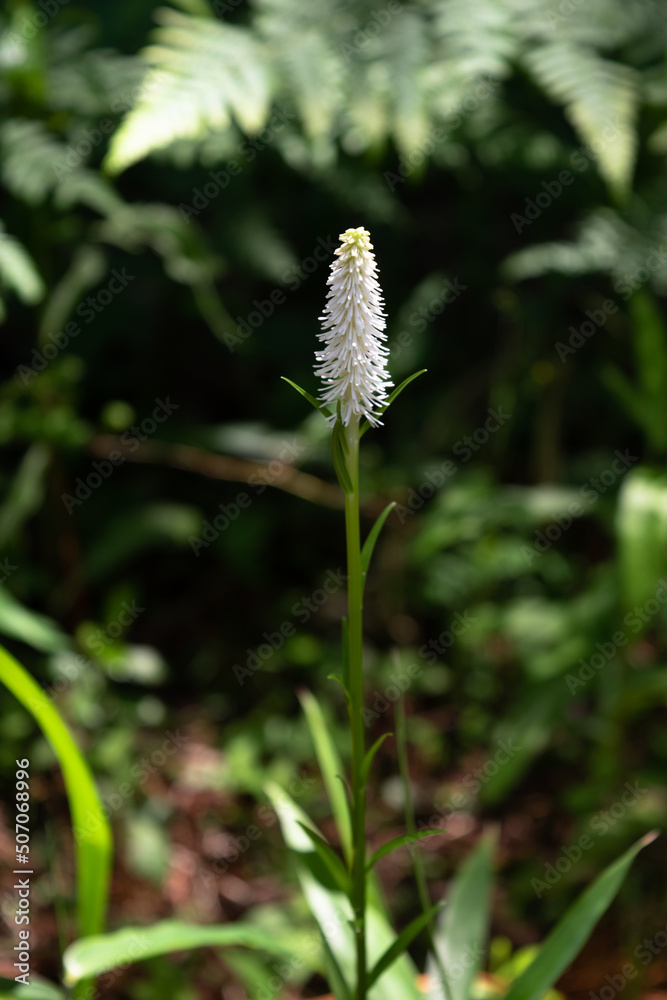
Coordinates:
x,y
331,768
204,74
18,271
26,493
92,833
94,955
331,909
600,97
462,930
38,989
573,930
641,530
36,630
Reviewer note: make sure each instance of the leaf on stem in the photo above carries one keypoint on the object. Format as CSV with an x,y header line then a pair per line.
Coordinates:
x,y
403,841
333,912
339,680
373,535
397,391
370,756
338,446
331,768
330,858
306,395
401,944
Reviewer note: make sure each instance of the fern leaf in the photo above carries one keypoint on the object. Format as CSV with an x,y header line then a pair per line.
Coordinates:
x,y
30,154
600,99
204,75
477,39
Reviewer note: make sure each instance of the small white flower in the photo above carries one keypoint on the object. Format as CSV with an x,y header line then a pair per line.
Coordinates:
x,y
353,365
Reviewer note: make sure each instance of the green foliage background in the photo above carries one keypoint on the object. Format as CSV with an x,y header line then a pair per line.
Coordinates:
x,y
509,158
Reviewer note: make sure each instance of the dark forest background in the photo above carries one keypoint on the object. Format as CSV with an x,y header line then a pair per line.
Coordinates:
x,y
173,182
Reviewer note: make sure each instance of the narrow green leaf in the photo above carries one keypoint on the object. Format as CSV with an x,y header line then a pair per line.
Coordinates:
x,y
339,680
335,977
369,544
38,989
397,391
330,858
306,395
339,423
331,768
330,908
94,955
464,924
92,833
573,930
370,756
402,943
403,841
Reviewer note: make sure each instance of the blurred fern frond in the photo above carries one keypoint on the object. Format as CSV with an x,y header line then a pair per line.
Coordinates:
x,y
203,76
362,77
18,272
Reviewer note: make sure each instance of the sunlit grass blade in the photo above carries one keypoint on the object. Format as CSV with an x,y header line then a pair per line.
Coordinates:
x,y
329,907
464,924
331,768
571,933
403,841
92,832
333,913
92,956
402,943
373,535
332,861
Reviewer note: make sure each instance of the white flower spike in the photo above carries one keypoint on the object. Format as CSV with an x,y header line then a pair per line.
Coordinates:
x,y
353,364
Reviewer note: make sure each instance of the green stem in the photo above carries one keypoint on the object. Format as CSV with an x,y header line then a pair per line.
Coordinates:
x,y
355,653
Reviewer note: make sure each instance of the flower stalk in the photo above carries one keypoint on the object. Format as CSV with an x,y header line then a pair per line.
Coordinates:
x,y
353,367
355,589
